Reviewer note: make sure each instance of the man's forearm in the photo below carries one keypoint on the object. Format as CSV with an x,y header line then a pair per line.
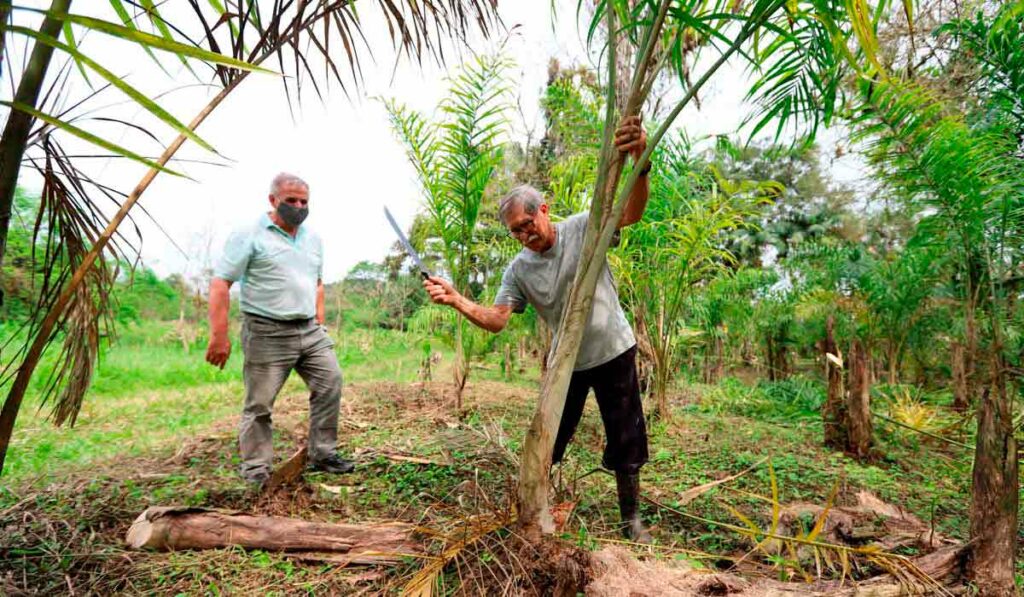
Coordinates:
x,y
320,317
487,318
637,202
220,303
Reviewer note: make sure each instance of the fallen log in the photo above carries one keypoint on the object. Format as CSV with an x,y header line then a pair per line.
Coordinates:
x,y
169,529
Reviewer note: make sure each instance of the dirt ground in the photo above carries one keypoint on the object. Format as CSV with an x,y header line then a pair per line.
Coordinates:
x,y
450,473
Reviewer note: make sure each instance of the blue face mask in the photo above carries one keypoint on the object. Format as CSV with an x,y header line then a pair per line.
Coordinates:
x,y
293,216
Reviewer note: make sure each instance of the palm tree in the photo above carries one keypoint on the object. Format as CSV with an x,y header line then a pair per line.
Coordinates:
x,y
455,161
968,181
237,38
662,260
802,52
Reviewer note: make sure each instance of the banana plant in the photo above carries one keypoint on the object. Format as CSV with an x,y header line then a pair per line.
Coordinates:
x,y
455,159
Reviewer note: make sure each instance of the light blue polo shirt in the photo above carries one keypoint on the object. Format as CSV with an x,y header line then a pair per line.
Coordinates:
x,y
279,274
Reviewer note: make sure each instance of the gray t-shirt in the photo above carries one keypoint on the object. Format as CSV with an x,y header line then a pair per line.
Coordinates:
x,y
543,280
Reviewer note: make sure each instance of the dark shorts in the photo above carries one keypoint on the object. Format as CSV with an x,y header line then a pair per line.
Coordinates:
x,y
617,390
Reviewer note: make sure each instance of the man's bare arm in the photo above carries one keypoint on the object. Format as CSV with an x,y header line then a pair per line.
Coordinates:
x,y
219,349
637,203
320,317
493,319
631,138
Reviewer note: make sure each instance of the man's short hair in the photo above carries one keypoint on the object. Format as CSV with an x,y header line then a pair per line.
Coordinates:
x,y
285,179
525,195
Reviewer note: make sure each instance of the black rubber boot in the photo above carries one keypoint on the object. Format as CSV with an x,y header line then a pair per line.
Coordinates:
x,y
333,464
628,486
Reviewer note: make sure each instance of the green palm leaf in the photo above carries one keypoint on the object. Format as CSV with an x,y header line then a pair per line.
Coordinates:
x,y
152,41
126,19
161,26
87,136
118,82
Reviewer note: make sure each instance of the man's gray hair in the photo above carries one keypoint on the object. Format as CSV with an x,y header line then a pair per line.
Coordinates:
x,y
524,195
285,179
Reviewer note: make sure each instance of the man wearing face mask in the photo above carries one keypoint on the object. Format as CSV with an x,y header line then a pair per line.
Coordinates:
x,y
279,263
541,275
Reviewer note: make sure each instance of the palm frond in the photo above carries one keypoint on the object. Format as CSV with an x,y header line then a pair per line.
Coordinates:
x,y
455,158
68,222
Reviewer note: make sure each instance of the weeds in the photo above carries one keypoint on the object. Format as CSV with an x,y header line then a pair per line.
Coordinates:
x,y
64,514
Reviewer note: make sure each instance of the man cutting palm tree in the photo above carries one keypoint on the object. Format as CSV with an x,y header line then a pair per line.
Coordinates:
x,y
541,275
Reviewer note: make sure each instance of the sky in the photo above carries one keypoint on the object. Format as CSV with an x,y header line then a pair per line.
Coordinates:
x,y
342,146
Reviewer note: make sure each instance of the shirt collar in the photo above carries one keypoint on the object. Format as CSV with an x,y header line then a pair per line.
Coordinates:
x,y
266,222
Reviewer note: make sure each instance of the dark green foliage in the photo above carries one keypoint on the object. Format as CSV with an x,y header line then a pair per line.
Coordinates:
x,y
788,400
806,210
143,296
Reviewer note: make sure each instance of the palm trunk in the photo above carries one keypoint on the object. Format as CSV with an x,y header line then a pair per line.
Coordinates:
x,y
5,14
747,354
605,213
19,124
958,368
970,349
719,365
858,406
646,361
782,361
708,370
661,376
994,494
460,372
546,340
894,364
833,410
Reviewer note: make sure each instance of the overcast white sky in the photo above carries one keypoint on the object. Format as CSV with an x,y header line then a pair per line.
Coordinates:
x,y
343,147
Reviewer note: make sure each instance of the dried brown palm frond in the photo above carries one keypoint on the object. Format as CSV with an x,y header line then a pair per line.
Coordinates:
x,y
807,556
67,224
292,34
453,544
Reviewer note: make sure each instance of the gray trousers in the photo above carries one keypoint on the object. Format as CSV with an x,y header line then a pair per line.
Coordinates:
x,y
272,350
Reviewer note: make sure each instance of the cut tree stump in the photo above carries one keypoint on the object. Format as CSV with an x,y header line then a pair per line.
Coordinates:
x,y
169,529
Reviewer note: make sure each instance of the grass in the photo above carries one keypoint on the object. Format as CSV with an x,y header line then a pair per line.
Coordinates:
x,y
159,428
149,392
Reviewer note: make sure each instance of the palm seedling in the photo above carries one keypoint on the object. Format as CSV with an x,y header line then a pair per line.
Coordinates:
x,y
455,160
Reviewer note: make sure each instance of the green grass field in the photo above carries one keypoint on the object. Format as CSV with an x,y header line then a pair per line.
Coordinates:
x,y
158,428
148,392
